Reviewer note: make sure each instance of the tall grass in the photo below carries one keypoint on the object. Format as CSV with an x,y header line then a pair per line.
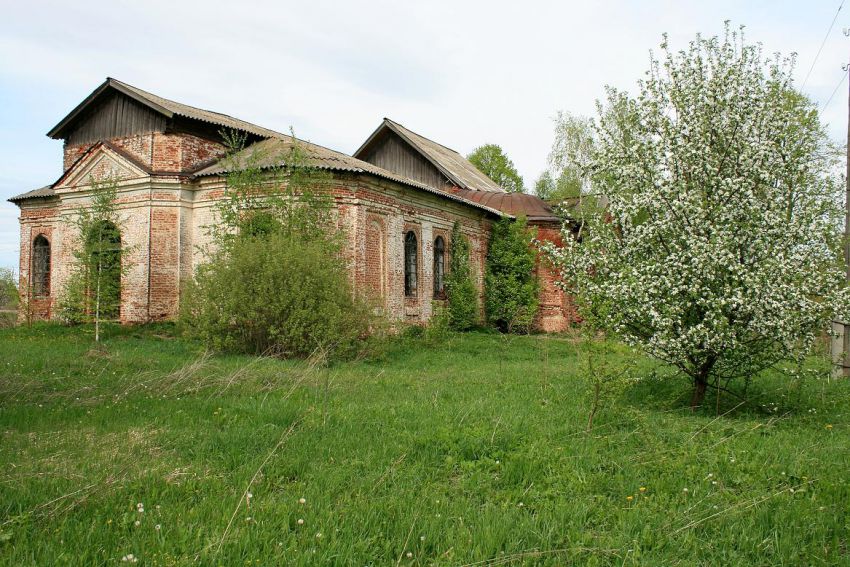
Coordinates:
x,y
469,450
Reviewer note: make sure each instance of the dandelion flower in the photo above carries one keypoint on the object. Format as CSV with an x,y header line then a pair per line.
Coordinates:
x,y
302,500
157,527
630,497
520,504
684,490
137,523
829,426
642,489
422,538
248,519
249,495
300,521
409,554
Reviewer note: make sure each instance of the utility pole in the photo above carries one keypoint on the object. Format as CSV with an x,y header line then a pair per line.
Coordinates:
x,y
841,329
846,334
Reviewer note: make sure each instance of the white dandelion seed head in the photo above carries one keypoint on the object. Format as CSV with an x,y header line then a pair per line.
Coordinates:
x,y
300,521
302,500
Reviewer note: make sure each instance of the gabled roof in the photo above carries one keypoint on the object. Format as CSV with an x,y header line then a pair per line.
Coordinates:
x,y
167,108
454,166
273,152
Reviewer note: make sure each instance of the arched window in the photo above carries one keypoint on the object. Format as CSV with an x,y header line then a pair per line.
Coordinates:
x,y
439,268
40,266
104,278
410,264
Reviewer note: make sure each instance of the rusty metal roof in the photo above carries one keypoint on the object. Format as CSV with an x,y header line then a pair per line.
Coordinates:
x,y
532,207
273,152
164,106
457,168
41,193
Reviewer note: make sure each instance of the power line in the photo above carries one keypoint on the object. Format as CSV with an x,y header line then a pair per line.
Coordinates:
x,y
806,80
841,82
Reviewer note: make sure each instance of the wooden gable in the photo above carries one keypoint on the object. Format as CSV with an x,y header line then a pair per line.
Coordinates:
x,y
115,115
389,151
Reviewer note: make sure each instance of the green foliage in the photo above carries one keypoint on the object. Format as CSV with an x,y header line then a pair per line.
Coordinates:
x,y
93,291
492,162
9,298
426,436
511,288
275,281
275,294
460,289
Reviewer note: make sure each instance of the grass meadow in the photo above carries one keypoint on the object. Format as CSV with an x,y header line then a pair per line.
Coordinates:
x,y
463,450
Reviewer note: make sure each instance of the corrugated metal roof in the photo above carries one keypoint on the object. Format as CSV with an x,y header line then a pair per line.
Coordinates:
x,y
162,105
272,153
41,193
453,165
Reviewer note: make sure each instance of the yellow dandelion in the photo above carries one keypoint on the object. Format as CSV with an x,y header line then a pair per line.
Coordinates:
x,y
643,489
829,426
630,497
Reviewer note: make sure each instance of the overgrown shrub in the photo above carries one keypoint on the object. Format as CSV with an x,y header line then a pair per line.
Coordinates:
x,y
276,294
462,311
510,285
275,282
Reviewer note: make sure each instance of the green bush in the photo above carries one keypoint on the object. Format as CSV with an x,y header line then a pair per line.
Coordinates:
x,y
278,295
275,282
510,286
8,298
462,312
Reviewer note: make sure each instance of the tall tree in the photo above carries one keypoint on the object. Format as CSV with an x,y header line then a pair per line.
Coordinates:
x,y
718,251
491,160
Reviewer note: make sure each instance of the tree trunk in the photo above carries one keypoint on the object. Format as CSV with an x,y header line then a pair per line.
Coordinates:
x,y
700,385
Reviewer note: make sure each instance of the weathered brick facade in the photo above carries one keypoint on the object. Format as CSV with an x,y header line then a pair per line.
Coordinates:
x,y
166,206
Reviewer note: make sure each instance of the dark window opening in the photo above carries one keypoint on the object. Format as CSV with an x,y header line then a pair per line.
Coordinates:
x,y
41,266
104,246
410,264
439,268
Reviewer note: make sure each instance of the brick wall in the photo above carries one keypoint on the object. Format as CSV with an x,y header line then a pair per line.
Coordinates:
x,y
165,224
174,152
557,310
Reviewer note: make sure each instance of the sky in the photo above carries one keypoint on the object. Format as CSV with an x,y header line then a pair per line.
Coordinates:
x,y
461,73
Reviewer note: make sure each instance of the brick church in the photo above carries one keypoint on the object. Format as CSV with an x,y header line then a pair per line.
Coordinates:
x,y
397,198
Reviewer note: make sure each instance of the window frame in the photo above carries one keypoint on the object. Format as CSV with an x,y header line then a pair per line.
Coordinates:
x,y
411,264
40,266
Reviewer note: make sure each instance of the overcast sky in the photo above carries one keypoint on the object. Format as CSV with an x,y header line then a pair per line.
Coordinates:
x,y
461,73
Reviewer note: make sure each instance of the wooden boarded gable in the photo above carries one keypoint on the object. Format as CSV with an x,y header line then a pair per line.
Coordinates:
x,y
389,151
402,151
114,115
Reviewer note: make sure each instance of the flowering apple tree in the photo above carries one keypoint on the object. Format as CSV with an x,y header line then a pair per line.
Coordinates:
x,y
719,249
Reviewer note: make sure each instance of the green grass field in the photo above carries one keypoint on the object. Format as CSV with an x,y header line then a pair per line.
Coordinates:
x,y
470,450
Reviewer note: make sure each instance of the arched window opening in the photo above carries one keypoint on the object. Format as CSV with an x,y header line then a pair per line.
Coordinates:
x,y
40,266
439,268
410,264
103,245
